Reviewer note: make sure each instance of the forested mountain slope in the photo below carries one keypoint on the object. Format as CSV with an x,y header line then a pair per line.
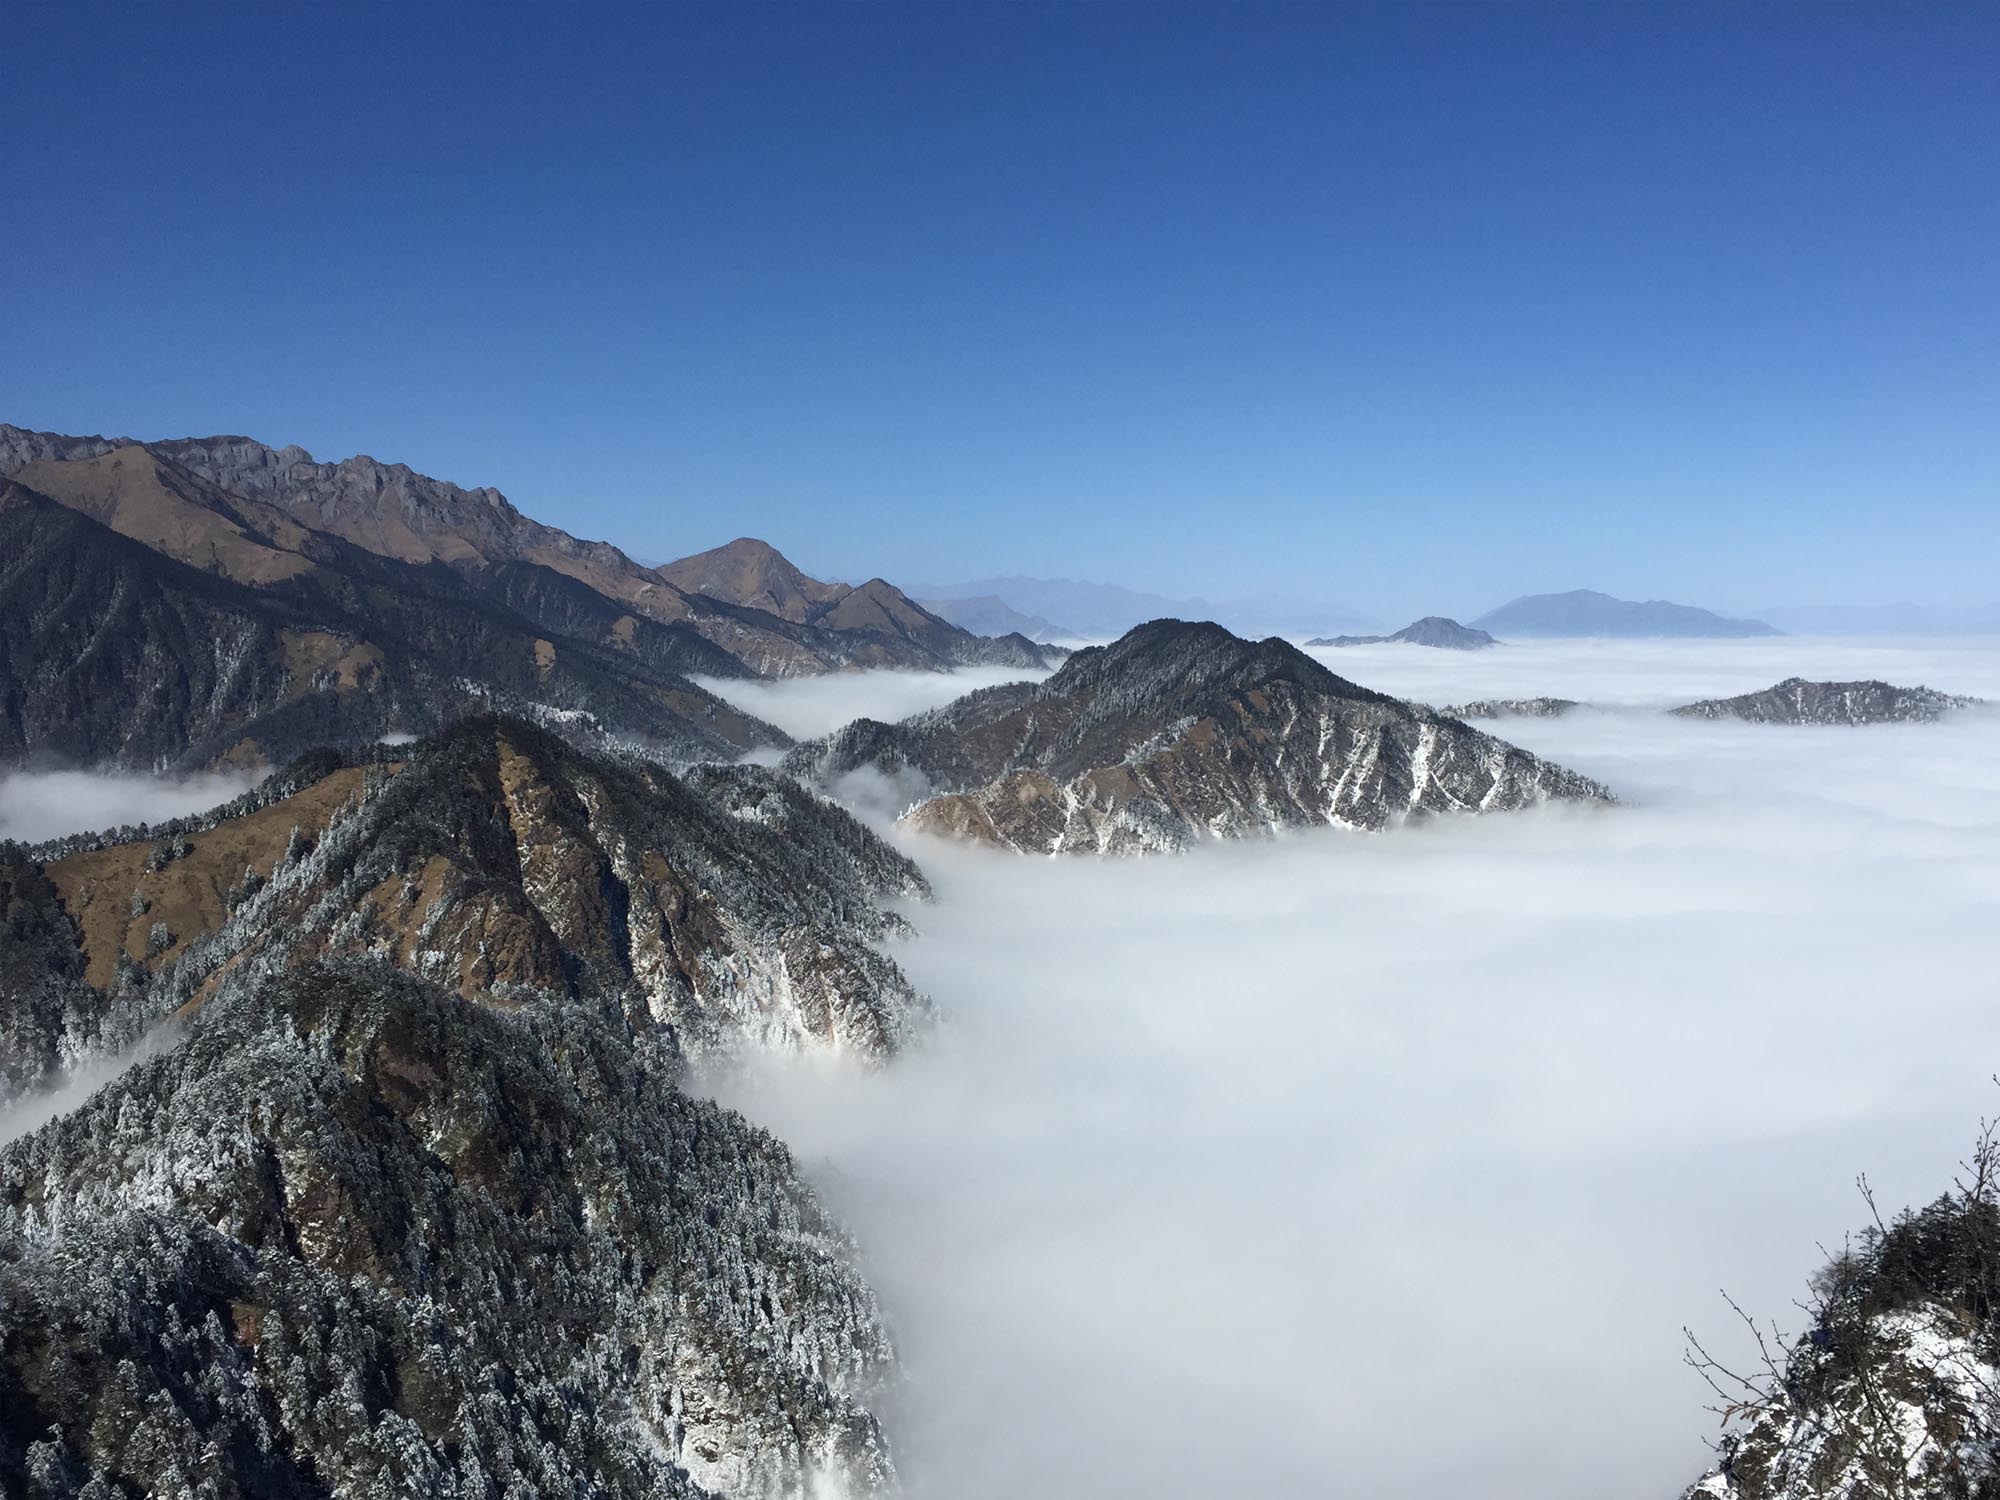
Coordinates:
x,y
727,905
357,1235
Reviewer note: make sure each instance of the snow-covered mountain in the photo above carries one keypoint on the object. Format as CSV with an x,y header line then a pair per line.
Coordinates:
x,y
1796,701
725,905
1177,733
422,1141
359,1234
1894,1388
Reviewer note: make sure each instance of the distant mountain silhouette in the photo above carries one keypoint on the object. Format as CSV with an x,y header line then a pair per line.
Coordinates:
x,y
1106,611
1584,612
1432,630
987,614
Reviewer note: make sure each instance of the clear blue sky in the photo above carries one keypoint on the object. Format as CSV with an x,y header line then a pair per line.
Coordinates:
x,y
1418,306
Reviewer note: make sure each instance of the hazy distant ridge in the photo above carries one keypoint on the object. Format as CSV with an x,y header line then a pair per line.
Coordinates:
x,y
1585,612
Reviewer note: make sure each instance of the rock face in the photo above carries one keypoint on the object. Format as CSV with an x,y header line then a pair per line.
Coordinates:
x,y
151,621
1796,701
1508,708
1432,630
1584,612
356,1234
1895,1388
391,511
1179,733
728,905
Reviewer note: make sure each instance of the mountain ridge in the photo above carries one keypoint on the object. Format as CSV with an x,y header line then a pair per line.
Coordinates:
x,y
119,654
1175,734
393,511
1585,612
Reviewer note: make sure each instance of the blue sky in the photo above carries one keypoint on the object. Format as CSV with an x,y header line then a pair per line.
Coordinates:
x,y
1417,307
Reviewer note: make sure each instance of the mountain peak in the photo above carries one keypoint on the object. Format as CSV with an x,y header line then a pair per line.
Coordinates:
x,y
1179,732
751,572
1432,630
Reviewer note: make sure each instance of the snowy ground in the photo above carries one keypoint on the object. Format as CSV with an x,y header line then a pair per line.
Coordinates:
x,y
1391,1165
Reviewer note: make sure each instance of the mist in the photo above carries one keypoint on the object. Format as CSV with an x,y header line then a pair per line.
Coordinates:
x,y
1392,1165
32,1109
1663,673
36,805
807,707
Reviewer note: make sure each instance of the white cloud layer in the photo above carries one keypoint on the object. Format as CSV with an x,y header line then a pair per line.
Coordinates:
x,y
807,707
37,805
1392,1165
1663,673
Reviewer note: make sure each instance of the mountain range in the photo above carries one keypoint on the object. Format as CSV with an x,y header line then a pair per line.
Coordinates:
x,y
208,601
1584,612
1104,611
423,1139
986,614
1178,733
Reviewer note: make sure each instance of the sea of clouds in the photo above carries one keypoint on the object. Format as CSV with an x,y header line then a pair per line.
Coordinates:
x,y
807,707
36,805
1392,1165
